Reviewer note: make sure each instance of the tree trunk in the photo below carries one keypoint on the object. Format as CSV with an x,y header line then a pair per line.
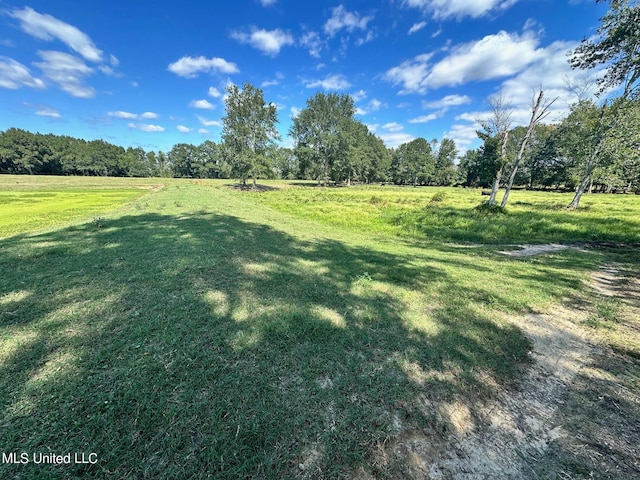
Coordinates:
x,y
494,187
591,165
535,118
591,162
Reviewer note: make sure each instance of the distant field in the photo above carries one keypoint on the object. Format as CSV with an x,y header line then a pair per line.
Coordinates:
x,y
30,203
201,331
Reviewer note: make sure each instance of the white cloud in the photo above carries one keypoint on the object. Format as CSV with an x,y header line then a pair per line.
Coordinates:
x,y
133,116
313,42
448,101
441,9
393,140
331,82
67,71
203,131
190,67
463,136
269,42
411,74
416,27
214,92
46,27
183,129
208,123
122,114
494,56
146,127
202,104
343,19
375,104
48,112
551,73
14,75
424,118
393,127
294,111
359,95
267,3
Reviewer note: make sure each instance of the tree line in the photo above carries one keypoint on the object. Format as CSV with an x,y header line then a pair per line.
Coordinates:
x,y
331,146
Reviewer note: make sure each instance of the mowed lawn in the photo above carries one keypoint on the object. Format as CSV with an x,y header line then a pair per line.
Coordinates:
x,y
199,331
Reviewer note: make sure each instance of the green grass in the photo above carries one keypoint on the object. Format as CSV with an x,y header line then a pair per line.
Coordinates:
x,y
203,332
530,217
29,203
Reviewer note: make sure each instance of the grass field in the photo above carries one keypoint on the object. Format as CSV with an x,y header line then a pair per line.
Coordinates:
x,y
198,331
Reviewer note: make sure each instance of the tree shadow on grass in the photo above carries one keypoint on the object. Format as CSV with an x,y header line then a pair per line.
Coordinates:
x,y
197,346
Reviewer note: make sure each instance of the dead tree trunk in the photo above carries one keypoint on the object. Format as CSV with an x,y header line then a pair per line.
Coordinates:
x,y
536,118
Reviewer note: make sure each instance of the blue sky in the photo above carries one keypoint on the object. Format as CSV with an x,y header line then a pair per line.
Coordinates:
x,y
153,73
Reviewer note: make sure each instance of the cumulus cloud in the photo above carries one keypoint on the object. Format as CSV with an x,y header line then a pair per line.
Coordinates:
x,y
269,42
341,19
494,56
67,71
146,127
214,92
183,129
442,9
202,104
551,73
14,75
191,67
331,82
46,27
416,27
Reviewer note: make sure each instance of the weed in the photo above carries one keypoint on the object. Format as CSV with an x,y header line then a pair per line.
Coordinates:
x,y
485,209
438,197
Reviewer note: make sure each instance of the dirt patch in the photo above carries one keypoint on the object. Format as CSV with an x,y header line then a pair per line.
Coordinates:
x,y
571,416
530,250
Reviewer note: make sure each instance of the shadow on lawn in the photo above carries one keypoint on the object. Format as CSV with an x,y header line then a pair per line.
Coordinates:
x,y
201,345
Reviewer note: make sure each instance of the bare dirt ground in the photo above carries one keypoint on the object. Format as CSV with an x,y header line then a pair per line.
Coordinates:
x,y
574,415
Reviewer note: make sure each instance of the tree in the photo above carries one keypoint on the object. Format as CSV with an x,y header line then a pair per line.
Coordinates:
x,y
539,111
184,161
445,169
321,135
413,162
618,47
249,128
497,127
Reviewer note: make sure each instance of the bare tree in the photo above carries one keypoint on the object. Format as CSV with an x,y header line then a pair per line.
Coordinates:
x,y
539,111
498,125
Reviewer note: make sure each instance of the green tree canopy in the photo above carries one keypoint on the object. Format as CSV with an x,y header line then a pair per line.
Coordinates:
x,y
249,129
